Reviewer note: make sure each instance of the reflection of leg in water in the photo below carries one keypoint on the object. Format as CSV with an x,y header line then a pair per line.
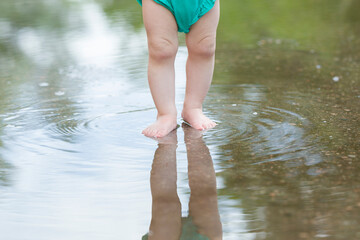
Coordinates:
x,y
204,219
166,207
203,199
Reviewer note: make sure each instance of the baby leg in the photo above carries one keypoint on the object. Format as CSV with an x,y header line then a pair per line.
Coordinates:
x,y
161,29
200,41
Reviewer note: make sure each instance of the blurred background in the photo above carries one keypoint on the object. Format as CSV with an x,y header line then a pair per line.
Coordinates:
x,y
74,99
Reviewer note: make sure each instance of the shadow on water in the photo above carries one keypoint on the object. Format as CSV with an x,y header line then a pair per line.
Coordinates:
x,y
203,221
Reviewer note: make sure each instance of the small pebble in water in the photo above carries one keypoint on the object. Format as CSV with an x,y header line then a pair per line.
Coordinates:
x,y
336,79
59,93
255,113
318,66
43,84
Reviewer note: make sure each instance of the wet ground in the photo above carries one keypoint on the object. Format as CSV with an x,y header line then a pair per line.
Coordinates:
x,y
283,162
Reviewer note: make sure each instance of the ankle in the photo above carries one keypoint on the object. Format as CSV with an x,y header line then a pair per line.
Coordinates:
x,y
167,115
188,109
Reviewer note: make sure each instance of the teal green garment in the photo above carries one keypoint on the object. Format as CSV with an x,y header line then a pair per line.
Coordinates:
x,y
188,231
186,12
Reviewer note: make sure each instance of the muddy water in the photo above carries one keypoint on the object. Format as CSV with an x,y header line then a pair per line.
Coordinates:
x,y
74,99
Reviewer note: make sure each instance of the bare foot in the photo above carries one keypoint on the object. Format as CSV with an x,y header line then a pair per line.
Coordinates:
x,y
163,125
197,119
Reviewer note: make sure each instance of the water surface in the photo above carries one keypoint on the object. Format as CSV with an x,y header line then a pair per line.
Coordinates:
x,y
74,99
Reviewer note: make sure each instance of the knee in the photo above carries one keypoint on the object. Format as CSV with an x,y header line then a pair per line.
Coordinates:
x,y
162,49
202,48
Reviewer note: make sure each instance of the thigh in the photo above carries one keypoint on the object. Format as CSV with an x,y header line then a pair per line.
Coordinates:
x,y
206,26
159,22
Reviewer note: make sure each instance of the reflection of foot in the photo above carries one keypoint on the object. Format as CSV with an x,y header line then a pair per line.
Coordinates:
x,y
197,119
191,133
162,127
170,139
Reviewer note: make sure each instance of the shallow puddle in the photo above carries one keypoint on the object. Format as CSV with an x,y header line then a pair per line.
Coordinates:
x,y
283,162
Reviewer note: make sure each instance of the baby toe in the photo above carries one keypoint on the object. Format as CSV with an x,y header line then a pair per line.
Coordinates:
x,y
160,133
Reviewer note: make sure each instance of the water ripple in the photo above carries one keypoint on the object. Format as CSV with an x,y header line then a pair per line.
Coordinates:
x,y
269,133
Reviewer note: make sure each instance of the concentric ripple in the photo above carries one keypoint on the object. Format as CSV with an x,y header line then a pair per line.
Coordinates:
x,y
270,133
64,123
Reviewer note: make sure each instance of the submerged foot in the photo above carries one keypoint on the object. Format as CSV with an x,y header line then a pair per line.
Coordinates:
x,y
197,119
161,127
